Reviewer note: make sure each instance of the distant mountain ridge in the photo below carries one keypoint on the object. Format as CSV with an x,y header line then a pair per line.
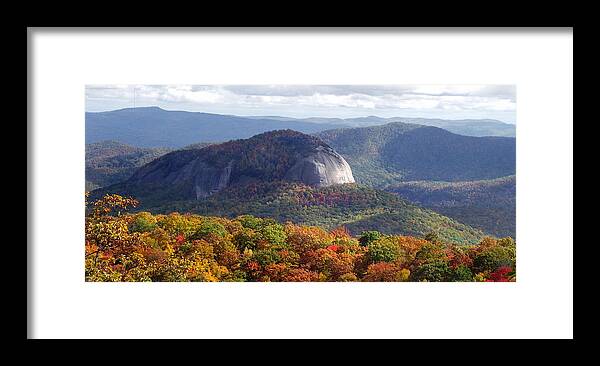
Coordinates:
x,y
467,127
156,127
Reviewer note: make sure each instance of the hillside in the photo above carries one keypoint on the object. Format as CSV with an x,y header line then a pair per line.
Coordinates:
x,y
156,127
110,162
199,145
397,152
356,207
489,205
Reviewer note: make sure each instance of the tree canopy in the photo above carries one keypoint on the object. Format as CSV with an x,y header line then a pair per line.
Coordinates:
x,y
140,246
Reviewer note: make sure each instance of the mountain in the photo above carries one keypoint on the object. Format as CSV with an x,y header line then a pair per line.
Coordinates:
x,y
285,175
110,162
379,155
397,152
467,127
489,205
272,156
156,127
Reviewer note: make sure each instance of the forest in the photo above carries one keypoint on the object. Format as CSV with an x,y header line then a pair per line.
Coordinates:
x,y
110,162
356,207
488,205
394,153
123,245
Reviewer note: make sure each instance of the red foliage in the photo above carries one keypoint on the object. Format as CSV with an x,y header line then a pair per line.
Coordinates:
x,y
383,272
307,253
253,266
328,262
303,238
341,232
300,275
500,275
308,197
153,255
456,259
275,271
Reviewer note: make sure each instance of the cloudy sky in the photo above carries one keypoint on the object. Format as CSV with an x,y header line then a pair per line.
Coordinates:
x,y
300,101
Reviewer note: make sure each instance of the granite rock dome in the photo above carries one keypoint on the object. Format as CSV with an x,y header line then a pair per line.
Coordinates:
x,y
283,155
322,168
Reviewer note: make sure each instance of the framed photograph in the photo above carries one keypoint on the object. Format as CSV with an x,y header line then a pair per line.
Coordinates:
x,y
289,183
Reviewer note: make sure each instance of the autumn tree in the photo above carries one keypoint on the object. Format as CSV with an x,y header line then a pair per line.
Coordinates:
x,y
384,249
492,254
123,246
433,271
367,237
143,222
386,272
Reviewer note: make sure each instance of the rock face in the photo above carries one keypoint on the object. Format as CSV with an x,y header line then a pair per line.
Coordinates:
x,y
323,168
278,155
209,181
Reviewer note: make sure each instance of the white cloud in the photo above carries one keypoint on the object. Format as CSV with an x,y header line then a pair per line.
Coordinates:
x,y
447,89
379,99
186,94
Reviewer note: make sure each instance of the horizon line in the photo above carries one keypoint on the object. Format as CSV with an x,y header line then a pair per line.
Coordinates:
x,y
296,118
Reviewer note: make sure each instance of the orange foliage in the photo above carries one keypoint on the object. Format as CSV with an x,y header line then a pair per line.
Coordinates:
x,y
183,247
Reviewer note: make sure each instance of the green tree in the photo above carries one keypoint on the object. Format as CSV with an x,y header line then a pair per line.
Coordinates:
x,y
245,239
265,257
436,271
433,237
274,234
461,274
384,250
493,258
209,227
430,252
250,222
367,237
492,253
143,222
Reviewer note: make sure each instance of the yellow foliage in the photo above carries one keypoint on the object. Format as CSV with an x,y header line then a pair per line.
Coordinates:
x,y
120,247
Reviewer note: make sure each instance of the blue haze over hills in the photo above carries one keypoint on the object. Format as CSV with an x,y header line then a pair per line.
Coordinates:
x,y
156,127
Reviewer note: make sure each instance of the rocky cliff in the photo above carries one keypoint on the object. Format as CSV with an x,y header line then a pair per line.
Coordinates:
x,y
322,168
284,155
